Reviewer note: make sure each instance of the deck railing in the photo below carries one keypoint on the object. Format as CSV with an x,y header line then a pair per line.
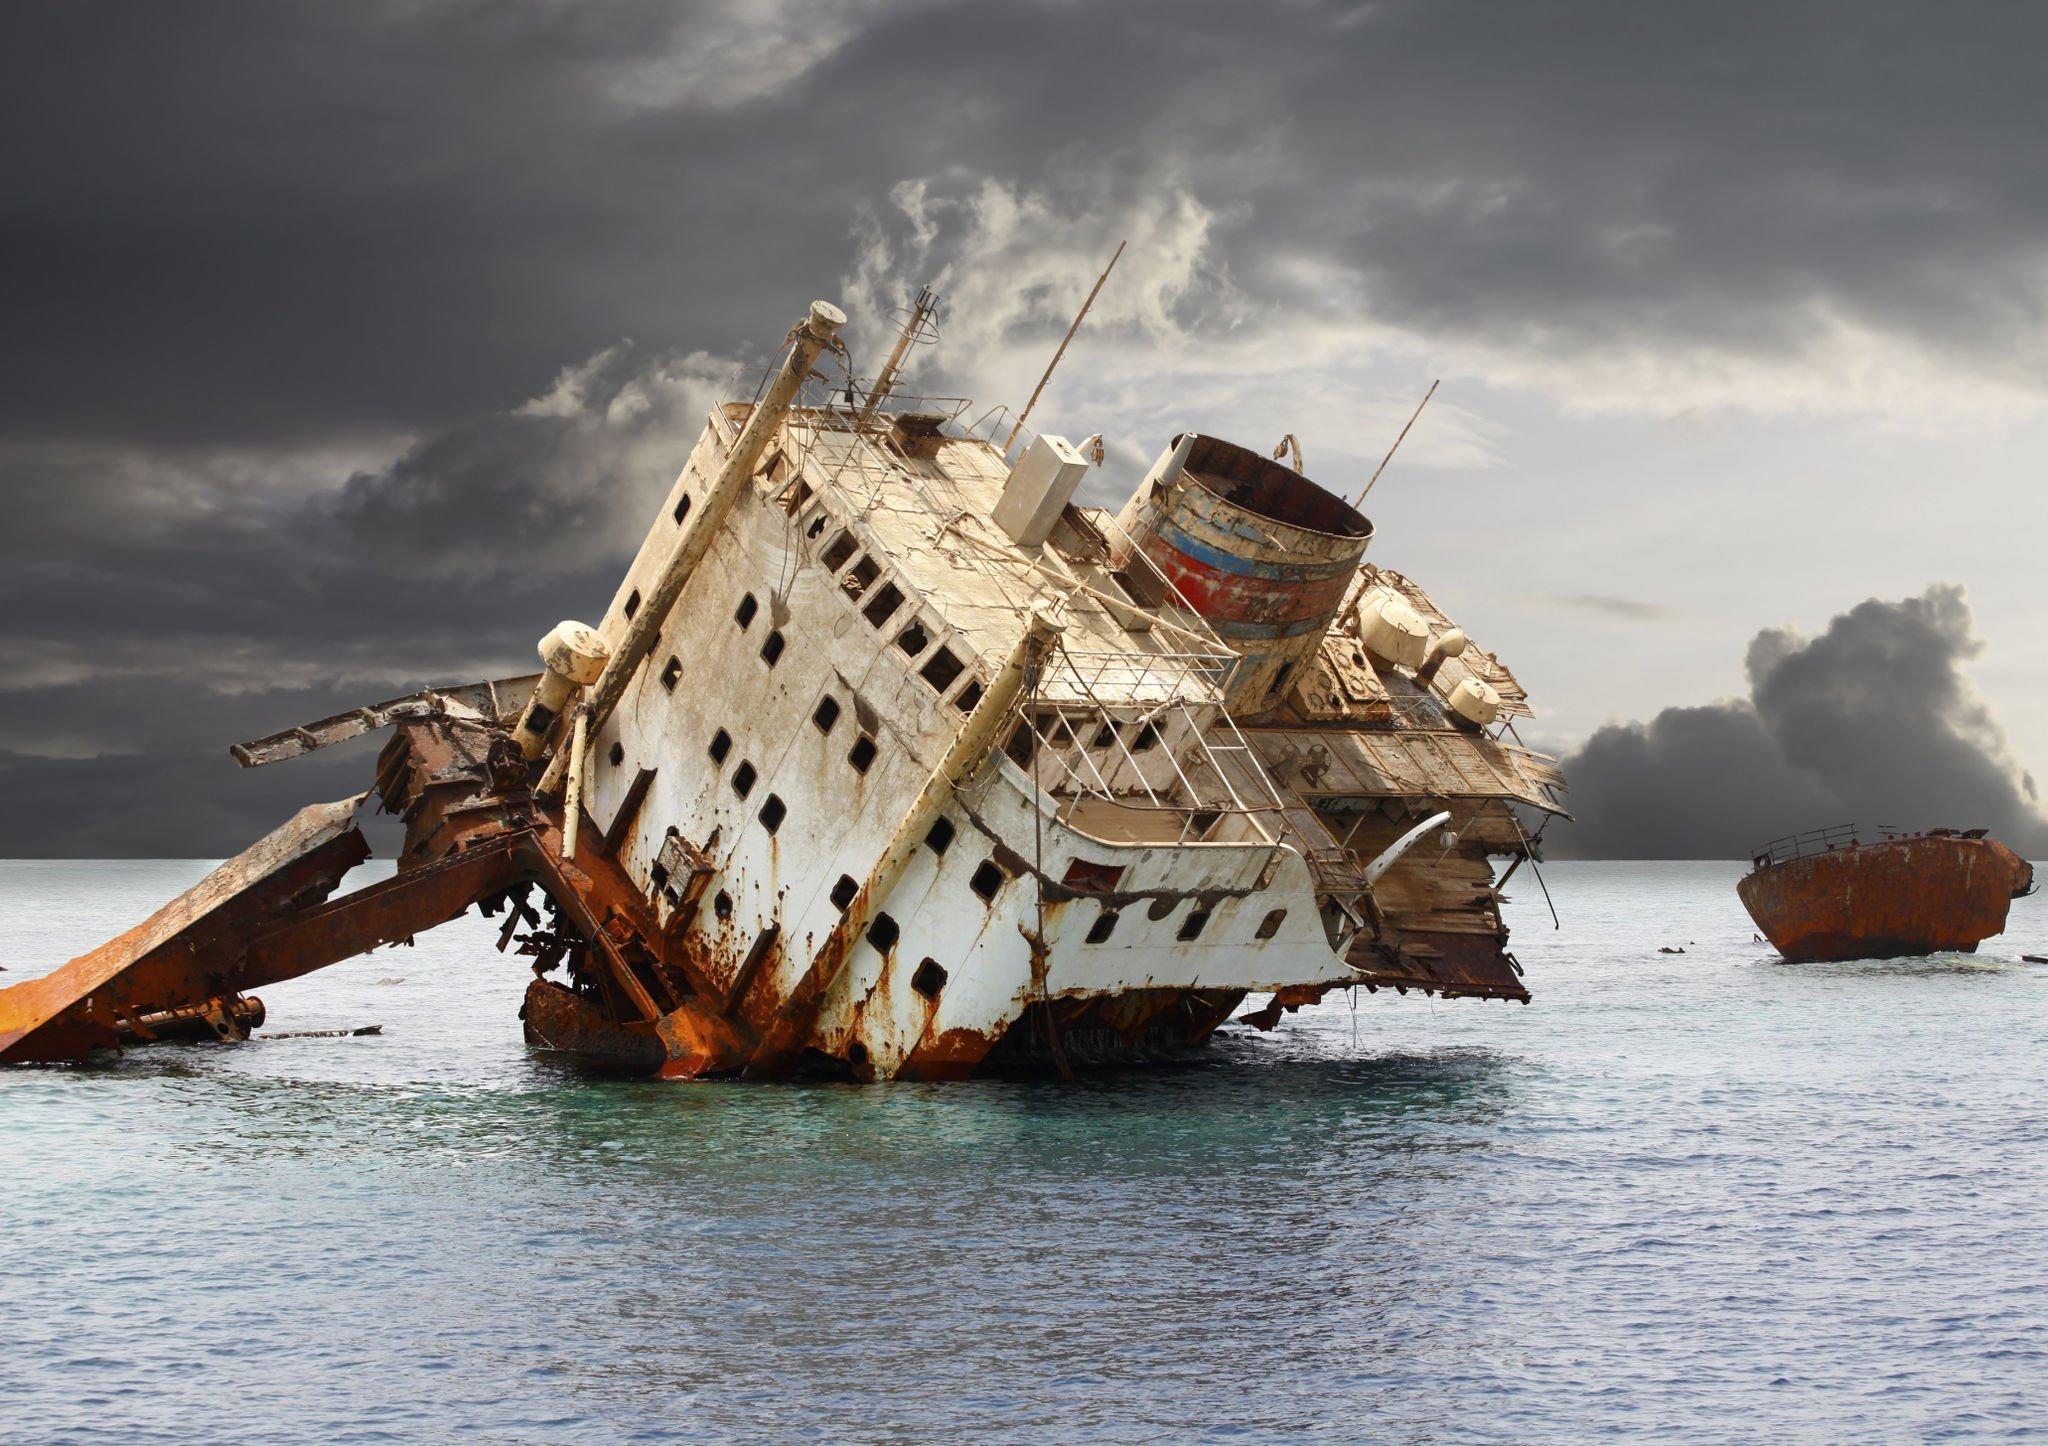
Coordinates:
x,y
1813,841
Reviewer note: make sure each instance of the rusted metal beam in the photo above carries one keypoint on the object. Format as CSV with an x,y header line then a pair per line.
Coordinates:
x,y
184,954
492,702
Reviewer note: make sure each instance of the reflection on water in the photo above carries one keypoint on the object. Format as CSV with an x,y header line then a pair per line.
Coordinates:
x,y
1703,1194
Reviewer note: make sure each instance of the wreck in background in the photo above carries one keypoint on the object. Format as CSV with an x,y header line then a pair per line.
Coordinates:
x,y
886,757
1827,895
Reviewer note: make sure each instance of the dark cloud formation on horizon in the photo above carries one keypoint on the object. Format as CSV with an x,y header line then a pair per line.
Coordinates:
x,y
1872,722
494,250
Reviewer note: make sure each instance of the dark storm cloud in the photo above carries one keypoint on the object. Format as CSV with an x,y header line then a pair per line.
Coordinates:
x,y
237,219
261,233
1873,721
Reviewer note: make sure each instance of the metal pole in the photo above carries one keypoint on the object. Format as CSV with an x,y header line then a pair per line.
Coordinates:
x,y
1021,416
811,336
1397,442
572,800
920,313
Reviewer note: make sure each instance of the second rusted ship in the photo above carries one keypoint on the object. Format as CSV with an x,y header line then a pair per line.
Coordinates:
x,y
1826,895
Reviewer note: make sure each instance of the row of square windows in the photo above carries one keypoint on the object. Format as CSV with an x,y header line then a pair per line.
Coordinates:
x,y
940,671
988,877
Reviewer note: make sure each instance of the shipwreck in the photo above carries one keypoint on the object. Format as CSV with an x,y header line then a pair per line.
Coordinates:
x,y
1826,895
890,760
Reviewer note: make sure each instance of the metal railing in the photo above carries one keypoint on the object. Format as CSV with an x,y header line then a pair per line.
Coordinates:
x,y
1813,841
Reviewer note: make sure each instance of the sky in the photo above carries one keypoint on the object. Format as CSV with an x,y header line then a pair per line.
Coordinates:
x,y
351,346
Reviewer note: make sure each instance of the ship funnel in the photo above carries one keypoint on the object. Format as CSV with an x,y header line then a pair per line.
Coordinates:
x,y
1263,554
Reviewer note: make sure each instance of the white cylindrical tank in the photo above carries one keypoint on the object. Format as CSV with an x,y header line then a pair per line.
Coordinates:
x,y
1391,630
1476,702
572,656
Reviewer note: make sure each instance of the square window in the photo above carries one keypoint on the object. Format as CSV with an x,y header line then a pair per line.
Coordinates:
x,y
771,650
826,713
862,754
1103,927
683,507
929,979
838,550
913,640
773,812
843,892
671,673
632,603
744,613
1023,745
721,744
798,496
743,778
987,880
968,696
882,606
939,837
943,668
860,576
818,524
1087,877
884,933
1191,927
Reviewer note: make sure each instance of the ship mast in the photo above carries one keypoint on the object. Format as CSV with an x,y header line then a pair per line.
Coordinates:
x,y
917,330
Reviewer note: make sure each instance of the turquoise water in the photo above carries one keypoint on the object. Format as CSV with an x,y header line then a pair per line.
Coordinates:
x,y
1698,1196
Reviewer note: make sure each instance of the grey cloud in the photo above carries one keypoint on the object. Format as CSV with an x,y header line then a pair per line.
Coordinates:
x,y
1629,609
1873,721
259,219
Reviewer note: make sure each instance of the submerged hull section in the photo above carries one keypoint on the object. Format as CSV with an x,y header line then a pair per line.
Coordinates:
x,y
1895,899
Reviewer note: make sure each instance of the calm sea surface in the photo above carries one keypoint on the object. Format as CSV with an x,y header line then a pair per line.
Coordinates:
x,y
1694,1196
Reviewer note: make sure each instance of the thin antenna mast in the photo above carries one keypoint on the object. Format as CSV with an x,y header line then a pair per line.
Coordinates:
x,y
1021,416
1397,442
917,330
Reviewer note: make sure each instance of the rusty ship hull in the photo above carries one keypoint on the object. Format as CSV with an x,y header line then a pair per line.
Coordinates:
x,y
1898,898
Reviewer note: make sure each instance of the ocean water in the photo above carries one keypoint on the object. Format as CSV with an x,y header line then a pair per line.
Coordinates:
x,y
1703,1196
